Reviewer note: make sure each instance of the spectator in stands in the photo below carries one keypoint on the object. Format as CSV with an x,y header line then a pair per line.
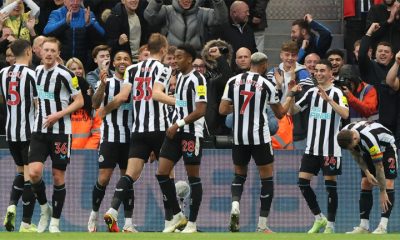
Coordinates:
x,y
85,128
37,48
361,96
185,21
258,20
144,53
310,62
20,22
76,28
374,72
217,55
170,60
355,16
126,28
307,41
10,58
357,49
46,7
387,15
99,6
7,37
101,55
199,65
291,130
238,31
242,60
336,57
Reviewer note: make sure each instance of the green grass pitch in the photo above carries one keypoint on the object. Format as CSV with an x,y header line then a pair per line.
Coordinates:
x,y
195,236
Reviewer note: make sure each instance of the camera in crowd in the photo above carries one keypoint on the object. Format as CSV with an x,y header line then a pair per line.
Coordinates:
x,y
223,50
348,77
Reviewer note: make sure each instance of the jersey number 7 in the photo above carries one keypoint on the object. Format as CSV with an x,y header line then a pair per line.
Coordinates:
x,y
248,95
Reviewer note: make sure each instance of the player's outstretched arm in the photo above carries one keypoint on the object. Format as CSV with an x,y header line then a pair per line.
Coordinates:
x,y
160,95
225,107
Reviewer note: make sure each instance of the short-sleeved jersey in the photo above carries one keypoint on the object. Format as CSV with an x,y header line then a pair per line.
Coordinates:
x,y
323,122
149,115
18,89
190,89
116,126
56,87
250,94
374,138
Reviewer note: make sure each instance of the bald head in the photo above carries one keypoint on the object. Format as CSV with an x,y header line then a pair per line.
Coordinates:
x,y
37,45
311,61
243,58
239,12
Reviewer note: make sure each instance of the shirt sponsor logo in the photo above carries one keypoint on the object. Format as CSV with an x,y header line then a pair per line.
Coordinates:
x,y
316,112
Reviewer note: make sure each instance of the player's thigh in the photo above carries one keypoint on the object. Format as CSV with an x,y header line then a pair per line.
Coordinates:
x,y
192,149
39,148
60,150
331,167
309,166
241,155
171,149
390,163
108,155
156,139
262,154
123,155
139,147
19,152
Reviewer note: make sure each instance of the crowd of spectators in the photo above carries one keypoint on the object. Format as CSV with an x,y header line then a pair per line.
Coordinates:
x,y
225,34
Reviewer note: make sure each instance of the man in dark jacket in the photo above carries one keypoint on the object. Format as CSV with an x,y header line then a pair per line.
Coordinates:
x,y
387,15
374,73
46,7
238,31
126,28
76,28
307,41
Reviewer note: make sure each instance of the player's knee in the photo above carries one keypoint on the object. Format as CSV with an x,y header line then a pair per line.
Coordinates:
x,y
330,186
103,180
303,183
239,179
35,175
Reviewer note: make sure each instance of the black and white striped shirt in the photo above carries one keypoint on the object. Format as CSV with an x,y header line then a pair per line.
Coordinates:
x,y
374,138
18,89
149,115
116,126
55,88
250,94
323,122
190,89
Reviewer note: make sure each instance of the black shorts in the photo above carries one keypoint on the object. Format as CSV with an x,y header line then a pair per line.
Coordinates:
x,y
389,161
58,146
331,166
183,144
19,151
262,154
142,144
111,154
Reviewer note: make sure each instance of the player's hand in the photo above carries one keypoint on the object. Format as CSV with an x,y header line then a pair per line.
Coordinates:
x,y
278,78
371,179
323,94
171,131
101,113
384,199
398,58
51,119
152,157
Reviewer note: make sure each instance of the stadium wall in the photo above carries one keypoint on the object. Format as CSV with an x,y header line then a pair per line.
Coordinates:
x,y
289,211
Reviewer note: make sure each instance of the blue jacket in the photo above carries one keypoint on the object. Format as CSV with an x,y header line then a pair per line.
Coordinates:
x,y
76,38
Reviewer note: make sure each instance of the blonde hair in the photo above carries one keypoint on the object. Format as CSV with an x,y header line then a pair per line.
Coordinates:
x,y
77,61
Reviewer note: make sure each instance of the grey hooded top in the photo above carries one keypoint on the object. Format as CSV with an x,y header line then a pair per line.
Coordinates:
x,y
186,26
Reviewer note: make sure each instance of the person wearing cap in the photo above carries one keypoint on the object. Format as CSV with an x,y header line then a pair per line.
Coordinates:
x,y
361,96
247,96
